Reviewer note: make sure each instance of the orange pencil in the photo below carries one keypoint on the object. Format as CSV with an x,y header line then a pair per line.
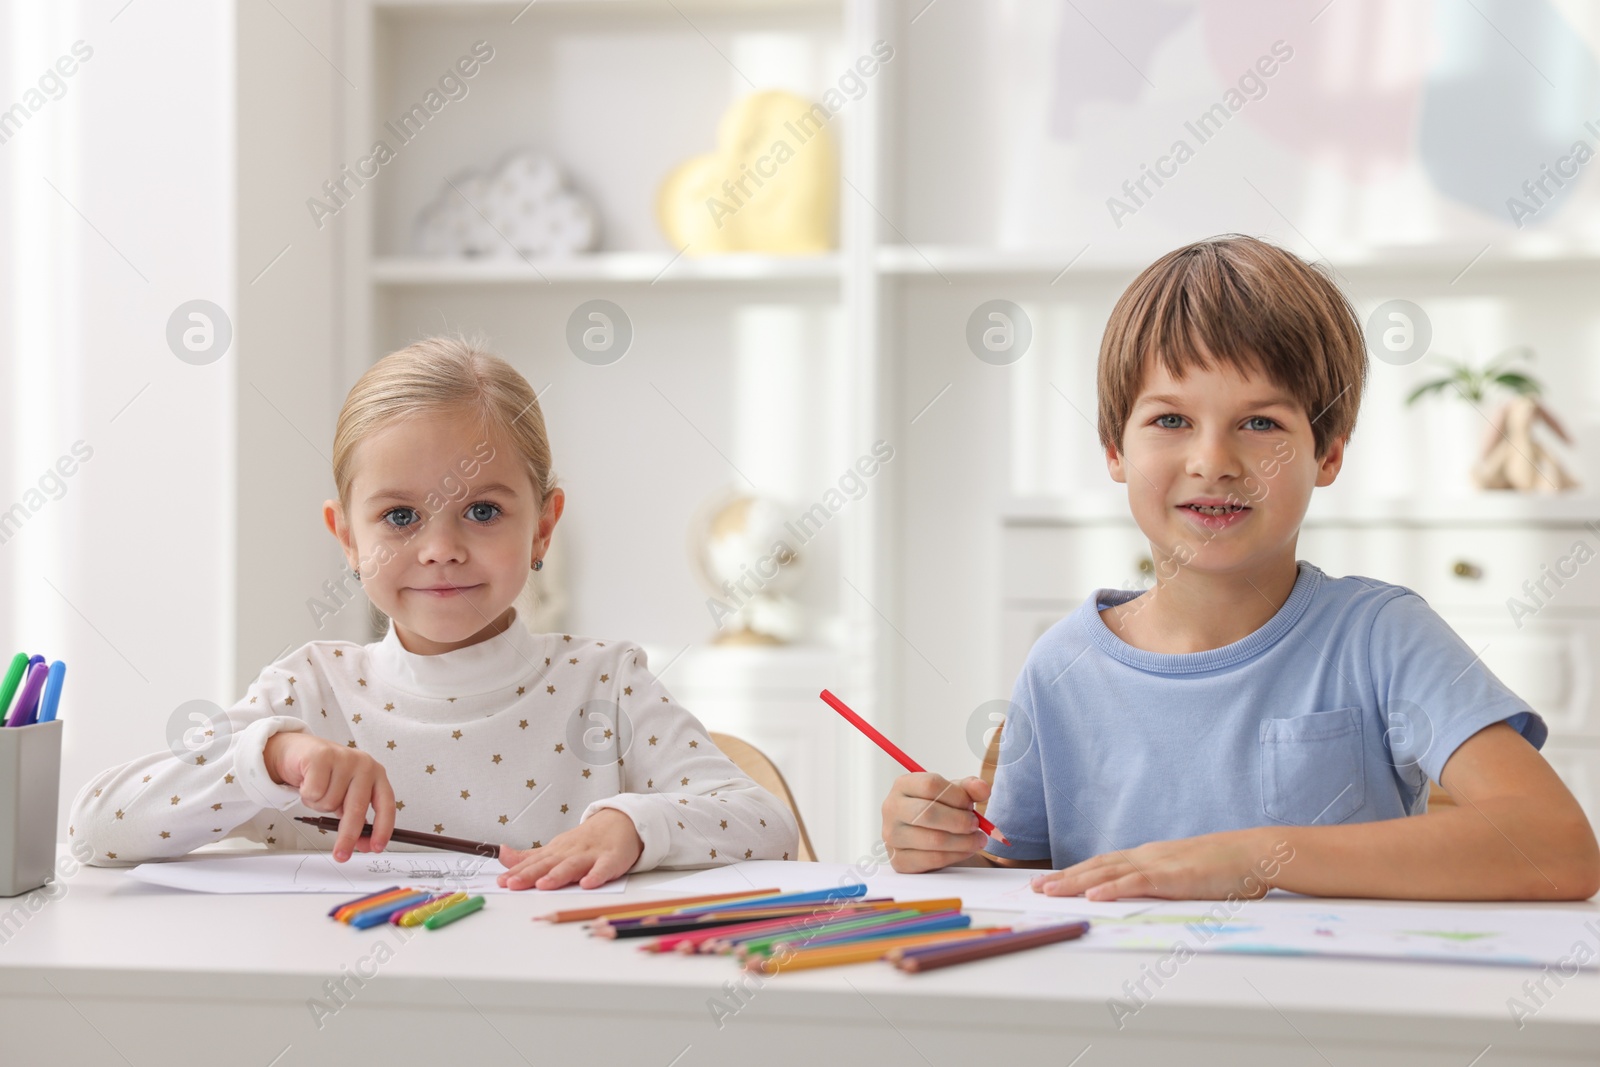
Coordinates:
x,y
647,907
859,953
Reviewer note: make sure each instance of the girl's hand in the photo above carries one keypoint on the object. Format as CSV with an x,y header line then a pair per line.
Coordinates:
x,y
333,777
1236,863
592,853
928,821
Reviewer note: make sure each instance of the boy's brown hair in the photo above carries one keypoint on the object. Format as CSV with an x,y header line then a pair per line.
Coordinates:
x,y
1249,304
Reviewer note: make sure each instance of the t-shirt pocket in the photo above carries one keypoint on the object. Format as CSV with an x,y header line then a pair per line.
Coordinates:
x,y
1313,769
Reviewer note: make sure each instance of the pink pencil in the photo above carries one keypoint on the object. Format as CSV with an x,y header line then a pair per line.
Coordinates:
x,y
894,750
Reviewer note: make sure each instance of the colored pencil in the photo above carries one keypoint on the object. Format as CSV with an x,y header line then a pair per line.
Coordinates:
x,y
413,837
604,911
691,914
627,928
944,920
815,896
935,956
691,942
894,750
923,906
759,942
863,951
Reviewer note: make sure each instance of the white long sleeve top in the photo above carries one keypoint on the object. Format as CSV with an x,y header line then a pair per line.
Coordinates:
x,y
510,741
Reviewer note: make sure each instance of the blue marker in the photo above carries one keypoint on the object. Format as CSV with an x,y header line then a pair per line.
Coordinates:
x,y
52,692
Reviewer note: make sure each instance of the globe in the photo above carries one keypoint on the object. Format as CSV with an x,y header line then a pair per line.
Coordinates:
x,y
744,555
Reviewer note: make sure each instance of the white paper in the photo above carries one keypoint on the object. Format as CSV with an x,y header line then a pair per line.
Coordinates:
x,y
980,888
1559,936
317,872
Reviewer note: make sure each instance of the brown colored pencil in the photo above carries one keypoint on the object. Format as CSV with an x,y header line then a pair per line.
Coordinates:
x,y
414,837
917,960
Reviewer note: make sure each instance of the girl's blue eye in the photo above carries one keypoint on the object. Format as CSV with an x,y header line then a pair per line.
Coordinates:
x,y
1165,425
400,525
479,517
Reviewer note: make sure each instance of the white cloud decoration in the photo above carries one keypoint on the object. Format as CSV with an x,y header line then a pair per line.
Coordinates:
x,y
522,208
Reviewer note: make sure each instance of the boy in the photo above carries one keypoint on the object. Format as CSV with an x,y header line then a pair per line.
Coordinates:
x,y
1250,722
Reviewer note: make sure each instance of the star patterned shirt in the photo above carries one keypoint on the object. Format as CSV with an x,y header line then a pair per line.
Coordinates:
x,y
511,741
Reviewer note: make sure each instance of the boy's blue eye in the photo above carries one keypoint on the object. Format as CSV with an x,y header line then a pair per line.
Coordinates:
x,y
1167,425
1270,425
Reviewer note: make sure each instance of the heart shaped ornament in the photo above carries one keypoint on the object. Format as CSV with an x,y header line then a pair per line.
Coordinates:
x,y
771,186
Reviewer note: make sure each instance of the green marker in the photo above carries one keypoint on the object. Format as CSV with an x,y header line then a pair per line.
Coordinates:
x,y
451,914
8,688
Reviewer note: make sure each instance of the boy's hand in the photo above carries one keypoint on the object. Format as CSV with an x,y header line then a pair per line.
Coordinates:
x,y
1209,867
333,777
928,821
598,849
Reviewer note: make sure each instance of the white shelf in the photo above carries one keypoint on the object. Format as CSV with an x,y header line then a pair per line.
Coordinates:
x,y
609,8
1448,261
632,267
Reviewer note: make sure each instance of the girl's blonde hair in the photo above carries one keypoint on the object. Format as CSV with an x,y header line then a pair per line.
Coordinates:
x,y
452,376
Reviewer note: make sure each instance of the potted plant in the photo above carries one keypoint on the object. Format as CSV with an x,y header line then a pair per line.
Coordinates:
x,y
1511,457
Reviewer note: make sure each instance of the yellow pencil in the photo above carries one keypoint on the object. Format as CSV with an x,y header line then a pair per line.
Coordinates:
x,y
830,956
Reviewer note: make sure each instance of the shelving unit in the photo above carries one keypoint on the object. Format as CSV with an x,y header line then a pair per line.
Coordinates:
x,y
755,371
623,267
776,372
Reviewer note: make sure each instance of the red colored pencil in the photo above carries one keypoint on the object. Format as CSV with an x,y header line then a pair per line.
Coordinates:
x,y
894,750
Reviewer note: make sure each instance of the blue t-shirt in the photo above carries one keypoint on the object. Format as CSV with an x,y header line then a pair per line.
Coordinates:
x,y
1339,709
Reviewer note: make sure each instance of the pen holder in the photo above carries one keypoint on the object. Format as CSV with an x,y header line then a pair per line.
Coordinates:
x,y
30,784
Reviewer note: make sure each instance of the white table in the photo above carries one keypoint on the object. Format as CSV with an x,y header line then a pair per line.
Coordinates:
x,y
111,971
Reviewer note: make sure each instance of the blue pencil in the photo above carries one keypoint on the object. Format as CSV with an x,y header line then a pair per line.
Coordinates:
x,y
810,897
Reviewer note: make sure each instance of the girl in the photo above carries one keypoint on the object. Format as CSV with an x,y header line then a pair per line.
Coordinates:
x,y
461,721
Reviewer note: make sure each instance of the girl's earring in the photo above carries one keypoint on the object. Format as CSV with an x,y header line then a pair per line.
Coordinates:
x,y
538,564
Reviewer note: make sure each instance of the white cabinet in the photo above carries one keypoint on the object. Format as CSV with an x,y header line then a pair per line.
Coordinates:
x,y
768,696
1518,578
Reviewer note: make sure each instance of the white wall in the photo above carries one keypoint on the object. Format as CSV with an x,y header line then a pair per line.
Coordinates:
x,y
128,576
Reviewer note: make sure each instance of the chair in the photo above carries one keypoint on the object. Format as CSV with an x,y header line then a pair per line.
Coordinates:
x,y
761,770
1437,797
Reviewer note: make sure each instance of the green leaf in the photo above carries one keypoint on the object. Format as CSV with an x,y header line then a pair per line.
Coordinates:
x,y
1518,383
1436,386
